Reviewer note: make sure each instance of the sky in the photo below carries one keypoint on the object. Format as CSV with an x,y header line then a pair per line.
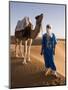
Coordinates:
x,y
53,14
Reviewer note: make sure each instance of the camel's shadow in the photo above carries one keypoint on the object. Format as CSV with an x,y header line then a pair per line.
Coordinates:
x,y
17,60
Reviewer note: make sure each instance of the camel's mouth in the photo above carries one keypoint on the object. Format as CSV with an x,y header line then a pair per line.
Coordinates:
x,y
39,16
39,19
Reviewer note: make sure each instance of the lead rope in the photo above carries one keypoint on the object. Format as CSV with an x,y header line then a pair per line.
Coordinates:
x,y
41,30
42,36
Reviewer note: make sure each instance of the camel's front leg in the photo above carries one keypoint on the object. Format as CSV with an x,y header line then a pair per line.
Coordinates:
x,y
29,49
16,48
25,52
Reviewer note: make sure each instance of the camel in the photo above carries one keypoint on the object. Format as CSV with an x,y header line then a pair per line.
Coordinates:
x,y
27,38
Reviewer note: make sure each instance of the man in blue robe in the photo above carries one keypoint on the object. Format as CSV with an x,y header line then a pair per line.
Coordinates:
x,y
48,50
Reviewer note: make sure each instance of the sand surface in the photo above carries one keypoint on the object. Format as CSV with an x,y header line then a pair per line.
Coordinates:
x,y
32,74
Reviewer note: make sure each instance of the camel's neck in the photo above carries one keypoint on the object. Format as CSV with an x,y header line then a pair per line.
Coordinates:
x,y
36,31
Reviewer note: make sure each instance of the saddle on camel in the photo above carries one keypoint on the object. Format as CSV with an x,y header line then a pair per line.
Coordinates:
x,y
25,26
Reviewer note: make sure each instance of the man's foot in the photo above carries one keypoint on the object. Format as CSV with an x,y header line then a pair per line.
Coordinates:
x,y
48,72
55,74
45,70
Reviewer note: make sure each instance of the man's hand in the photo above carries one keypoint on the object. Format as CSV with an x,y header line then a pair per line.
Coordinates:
x,y
41,53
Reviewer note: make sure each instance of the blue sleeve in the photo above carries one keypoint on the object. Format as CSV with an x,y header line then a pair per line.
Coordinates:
x,y
43,41
54,43
55,40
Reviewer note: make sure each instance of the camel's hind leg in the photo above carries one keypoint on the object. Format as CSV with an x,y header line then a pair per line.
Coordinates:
x,y
20,49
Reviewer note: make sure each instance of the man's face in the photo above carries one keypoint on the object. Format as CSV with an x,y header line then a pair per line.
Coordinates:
x,y
49,30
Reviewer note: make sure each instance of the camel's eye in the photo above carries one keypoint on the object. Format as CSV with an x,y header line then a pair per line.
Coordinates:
x,y
36,17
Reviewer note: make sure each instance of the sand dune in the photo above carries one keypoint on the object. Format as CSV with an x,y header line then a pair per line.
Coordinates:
x,y
59,56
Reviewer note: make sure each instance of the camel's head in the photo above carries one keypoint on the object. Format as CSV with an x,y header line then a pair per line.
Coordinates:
x,y
39,18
